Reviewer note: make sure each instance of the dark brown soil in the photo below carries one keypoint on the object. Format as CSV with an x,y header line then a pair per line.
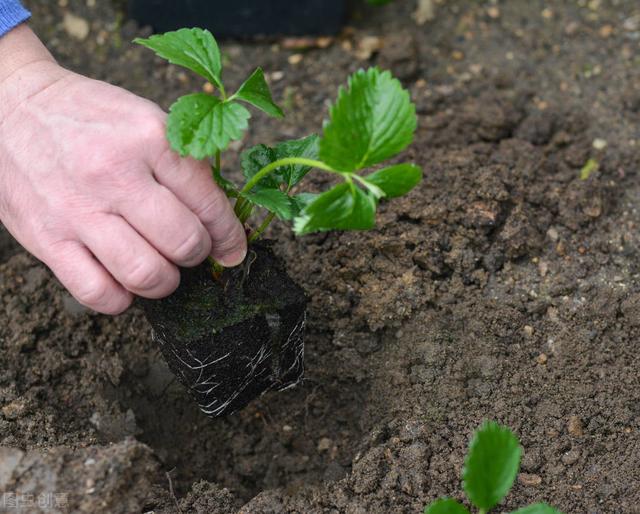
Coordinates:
x,y
503,287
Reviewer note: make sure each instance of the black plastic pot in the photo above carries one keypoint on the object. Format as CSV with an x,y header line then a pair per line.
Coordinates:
x,y
230,340
242,18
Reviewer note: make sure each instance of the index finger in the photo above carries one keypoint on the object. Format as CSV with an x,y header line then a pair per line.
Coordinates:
x,y
192,183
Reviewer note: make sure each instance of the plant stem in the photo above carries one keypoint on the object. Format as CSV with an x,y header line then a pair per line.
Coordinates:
x,y
216,267
285,162
258,232
245,211
482,511
218,153
237,208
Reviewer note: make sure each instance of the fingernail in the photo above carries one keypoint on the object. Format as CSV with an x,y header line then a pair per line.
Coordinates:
x,y
233,259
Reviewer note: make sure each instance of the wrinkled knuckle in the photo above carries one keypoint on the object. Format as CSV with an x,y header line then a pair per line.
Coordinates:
x,y
191,248
97,168
143,276
95,294
153,128
212,208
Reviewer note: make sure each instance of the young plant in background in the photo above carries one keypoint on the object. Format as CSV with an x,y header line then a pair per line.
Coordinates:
x,y
231,335
372,120
490,468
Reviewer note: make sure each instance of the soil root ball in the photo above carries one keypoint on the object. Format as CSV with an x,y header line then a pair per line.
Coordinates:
x,y
233,338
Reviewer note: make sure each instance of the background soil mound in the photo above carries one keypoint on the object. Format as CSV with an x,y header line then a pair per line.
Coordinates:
x,y
504,287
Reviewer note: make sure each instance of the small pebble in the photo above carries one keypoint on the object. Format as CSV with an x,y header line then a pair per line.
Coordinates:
x,y
14,409
574,426
367,46
324,444
542,359
76,26
571,457
543,268
605,31
493,12
528,330
277,75
324,41
599,144
529,480
295,59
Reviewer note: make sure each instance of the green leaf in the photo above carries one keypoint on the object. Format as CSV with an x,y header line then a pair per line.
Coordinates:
x,y
446,506
256,158
274,201
372,120
199,125
256,92
194,49
306,147
537,508
491,465
304,199
344,207
396,180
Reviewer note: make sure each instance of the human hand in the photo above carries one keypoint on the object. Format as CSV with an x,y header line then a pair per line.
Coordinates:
x,y
89,185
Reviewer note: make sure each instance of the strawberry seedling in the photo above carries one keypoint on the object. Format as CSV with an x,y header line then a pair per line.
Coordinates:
x,y
254,314
490,468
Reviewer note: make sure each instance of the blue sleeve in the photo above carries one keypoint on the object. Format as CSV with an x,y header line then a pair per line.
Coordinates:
x,y
12,13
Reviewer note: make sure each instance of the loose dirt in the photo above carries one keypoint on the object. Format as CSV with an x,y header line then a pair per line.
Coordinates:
x,y
504,287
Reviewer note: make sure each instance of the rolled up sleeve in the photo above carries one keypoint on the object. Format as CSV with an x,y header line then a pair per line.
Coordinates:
x,y
12,14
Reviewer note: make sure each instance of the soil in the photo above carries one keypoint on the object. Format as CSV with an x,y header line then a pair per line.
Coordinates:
x,y
504,287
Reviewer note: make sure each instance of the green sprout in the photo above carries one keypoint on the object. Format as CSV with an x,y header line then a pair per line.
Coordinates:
x,y
490,468
372,120
589,167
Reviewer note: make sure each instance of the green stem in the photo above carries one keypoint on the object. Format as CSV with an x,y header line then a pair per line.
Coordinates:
x,y
216,267
218,158
285,162
258,232
245,212
240,202
482,511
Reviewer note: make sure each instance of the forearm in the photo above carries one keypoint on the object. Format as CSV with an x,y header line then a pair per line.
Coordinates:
x,y
20,50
